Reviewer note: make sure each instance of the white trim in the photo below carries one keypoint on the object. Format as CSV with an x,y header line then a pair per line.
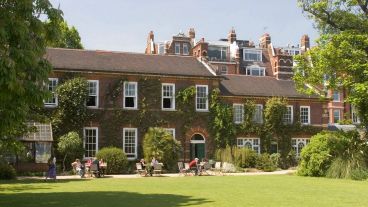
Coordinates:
x,y
333,115
251,141
255,50
209,68
309,118
187,46
51,105
292,114
135,143
206,109
97,93
333,96
84,138
255,67
305,141
177,44
234,116
198,141
173,96
135,95
171,129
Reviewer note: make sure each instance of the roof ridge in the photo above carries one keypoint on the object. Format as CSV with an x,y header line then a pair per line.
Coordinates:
x,y
118,52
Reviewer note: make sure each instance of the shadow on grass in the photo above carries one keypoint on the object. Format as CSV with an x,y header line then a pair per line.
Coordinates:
x,y
27,184
98,199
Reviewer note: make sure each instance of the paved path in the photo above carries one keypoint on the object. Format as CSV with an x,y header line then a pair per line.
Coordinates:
x,y
133,176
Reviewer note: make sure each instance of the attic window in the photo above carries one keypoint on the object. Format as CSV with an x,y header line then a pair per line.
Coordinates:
x,y
252,55
255,71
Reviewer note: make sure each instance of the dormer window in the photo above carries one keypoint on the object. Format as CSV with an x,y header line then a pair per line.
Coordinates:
x,y
185,49
177,48
254,55
255,70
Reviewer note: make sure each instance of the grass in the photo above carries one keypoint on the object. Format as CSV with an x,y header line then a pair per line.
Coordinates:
x,y
278,190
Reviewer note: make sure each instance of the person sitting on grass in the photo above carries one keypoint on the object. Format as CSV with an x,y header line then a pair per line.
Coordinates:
x,y
193,165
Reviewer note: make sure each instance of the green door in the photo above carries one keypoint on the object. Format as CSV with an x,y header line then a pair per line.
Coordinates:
x,y
197,150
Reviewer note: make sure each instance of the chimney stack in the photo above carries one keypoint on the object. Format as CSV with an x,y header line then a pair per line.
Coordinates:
x,y
265,40
191,33
231,36
304,43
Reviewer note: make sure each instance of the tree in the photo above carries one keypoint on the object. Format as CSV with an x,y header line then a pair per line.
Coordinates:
x,y
23,70
160,144
68,37
70,144
71,113
340,60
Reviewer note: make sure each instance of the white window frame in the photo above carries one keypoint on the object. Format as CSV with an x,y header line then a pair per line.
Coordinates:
x,y
258,51
291,107
261,111
173,131
250,69
135,143
185,46
196,100
338,96
297,141
251,140
53,92
173,96
236,116
333,115
84,139
309,112
135,95
177,46
97,92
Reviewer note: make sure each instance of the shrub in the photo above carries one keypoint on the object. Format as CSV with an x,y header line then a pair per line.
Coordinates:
x,y
359,174
160,144
267,163
114,157
6,171
240,157
334,154
316,156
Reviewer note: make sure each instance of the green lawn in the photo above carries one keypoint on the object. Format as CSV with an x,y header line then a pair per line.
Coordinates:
x,y
282,190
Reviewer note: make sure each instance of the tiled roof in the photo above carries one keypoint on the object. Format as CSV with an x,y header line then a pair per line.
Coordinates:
x,y
241,85
106,61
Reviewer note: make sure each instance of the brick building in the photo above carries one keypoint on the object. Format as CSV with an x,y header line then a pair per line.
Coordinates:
x,y
147,85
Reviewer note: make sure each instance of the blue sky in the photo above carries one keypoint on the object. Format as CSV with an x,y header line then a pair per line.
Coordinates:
x,y
123,25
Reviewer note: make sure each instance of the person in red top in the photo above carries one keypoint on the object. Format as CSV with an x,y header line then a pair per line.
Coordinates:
x,y
194,165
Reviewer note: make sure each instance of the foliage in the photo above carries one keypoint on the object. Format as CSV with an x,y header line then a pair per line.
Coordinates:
x,y
274,114
316,157
68,37
241,157
160,144
341,57
6,171
71,113
11,147
267,162
334,154
359,174
23,70
114,157
221,119
70,145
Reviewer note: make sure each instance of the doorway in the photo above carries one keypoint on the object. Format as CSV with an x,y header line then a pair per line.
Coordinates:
x,y
197,147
